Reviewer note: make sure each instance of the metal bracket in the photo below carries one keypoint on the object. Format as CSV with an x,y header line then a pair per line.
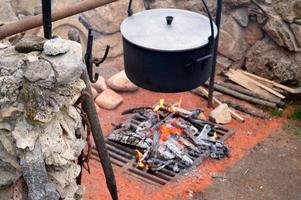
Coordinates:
x,y
89,60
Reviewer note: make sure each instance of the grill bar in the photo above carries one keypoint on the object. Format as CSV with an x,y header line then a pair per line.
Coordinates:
x,y
124,157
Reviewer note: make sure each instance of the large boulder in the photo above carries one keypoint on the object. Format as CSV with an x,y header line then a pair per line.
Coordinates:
x,y
6,12
108,99
232,43
277,27
107,19
120,82
236,3
221,114
269,60
290,10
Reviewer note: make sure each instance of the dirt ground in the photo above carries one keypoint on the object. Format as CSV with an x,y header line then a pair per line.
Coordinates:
x,y
271,171
272,165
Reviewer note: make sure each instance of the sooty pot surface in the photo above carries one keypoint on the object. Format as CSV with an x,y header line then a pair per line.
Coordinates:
x,y
166,50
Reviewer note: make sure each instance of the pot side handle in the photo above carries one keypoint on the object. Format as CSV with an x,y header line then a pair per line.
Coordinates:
x,y
190,66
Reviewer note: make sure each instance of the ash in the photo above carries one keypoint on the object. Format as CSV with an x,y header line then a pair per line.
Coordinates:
x,y
167,136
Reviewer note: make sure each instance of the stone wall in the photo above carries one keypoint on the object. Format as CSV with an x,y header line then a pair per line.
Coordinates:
x,y
41,132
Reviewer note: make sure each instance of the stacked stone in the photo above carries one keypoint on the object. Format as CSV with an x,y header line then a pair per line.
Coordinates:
x,y
41,132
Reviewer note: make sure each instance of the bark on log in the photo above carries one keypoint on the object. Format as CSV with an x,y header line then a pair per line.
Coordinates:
x,y
249,98
35,175
89,108
221,85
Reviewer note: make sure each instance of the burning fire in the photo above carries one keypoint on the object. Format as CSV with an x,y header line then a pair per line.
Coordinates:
x,y
140,164
160,105
168,129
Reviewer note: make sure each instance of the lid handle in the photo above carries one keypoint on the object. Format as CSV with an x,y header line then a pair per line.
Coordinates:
x,y
169,20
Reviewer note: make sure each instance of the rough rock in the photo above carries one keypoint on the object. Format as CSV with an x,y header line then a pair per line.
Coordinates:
x,y
223,63
38,121
107,19
108,99
120,82
94,92
67,148
296,29
6,12
56,46
115,42
97,108
231,43
24,7
253,33
35,175
67,66
100,84
195,6
266,59
10,76
236,3
290,10
241,16
41,104
25,134
7,179
276,27
28,44
221,114
39,70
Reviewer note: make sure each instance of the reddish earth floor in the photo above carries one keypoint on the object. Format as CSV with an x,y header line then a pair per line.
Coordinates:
x,y
247,135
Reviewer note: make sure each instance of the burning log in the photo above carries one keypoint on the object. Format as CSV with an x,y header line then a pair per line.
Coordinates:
x,y
167,137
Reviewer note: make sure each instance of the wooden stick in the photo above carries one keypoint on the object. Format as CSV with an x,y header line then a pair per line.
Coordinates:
x,y
202,91
242,108
278,85
250,99
250,83
89,108
220,86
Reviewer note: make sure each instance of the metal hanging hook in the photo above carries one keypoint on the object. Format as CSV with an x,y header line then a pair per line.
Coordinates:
x,y
89,60
98,61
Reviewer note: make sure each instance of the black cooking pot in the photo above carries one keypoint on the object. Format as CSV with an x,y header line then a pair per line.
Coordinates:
x,y
167,50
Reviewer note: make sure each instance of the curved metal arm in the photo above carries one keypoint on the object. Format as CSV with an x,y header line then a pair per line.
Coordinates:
x,y
210,19
89,60
98,61
130,11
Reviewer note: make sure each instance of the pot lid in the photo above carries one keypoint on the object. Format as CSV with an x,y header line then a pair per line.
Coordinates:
x,y
167,29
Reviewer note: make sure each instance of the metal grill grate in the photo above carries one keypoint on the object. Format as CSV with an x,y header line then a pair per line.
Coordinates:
x,y
124,157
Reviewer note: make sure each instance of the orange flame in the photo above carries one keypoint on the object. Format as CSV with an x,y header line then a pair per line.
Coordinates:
x,y
167,130
215,136
161,105
140,164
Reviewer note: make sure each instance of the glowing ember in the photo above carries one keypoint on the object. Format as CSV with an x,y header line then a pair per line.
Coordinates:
x,y
168,129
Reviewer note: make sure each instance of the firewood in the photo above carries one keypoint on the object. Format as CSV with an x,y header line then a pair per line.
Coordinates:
x,y
220,86
203,92
246,98
251,84
242,108
278,85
